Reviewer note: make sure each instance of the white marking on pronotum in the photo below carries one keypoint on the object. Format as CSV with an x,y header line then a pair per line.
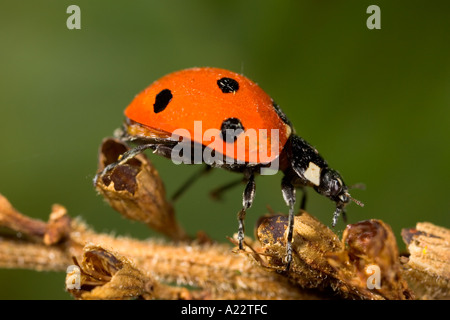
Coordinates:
x,y
313,173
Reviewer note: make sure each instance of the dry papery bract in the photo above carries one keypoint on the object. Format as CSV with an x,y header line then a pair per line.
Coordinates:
x,y
136,191
105,275
184,267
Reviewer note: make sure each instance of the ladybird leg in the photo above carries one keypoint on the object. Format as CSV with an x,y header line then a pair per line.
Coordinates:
x,y
336,215
288,191
217,193
123,158
190,181
344,215
304,198
247,201
134,152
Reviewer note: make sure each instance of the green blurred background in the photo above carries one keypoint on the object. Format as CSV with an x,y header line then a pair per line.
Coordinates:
x,y
375,103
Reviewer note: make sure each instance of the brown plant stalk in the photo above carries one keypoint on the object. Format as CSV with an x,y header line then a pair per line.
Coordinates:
x,y
212,269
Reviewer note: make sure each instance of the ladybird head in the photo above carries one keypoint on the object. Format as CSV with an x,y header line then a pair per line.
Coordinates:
x,y
332,186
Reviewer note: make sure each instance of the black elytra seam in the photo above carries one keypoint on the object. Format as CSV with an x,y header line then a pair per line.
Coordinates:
x,y
228,85
162,100
281,114
231,128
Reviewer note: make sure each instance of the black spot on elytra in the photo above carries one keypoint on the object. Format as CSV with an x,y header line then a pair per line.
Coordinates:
x,y
162,100
231,128
228,85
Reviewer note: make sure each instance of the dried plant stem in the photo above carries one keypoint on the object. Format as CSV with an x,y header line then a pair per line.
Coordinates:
x,y
156,269
205,266
19,254
212,268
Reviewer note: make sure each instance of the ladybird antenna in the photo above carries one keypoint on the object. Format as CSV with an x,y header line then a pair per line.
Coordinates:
x,y
360,186
359,203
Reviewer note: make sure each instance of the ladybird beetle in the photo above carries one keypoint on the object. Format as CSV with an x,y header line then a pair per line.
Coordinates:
x,y
232,105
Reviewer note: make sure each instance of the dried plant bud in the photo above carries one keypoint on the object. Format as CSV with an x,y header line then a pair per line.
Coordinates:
x,y
369,264
136,191
427,269
58,226
311,242
103,275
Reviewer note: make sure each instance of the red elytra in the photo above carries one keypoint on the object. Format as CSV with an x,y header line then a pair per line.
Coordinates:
x,y
196,96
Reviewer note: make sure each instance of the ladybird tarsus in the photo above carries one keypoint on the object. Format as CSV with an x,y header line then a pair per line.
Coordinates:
x,y
122,159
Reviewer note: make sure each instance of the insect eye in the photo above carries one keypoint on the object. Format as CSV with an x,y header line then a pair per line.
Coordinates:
x,y
335,187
